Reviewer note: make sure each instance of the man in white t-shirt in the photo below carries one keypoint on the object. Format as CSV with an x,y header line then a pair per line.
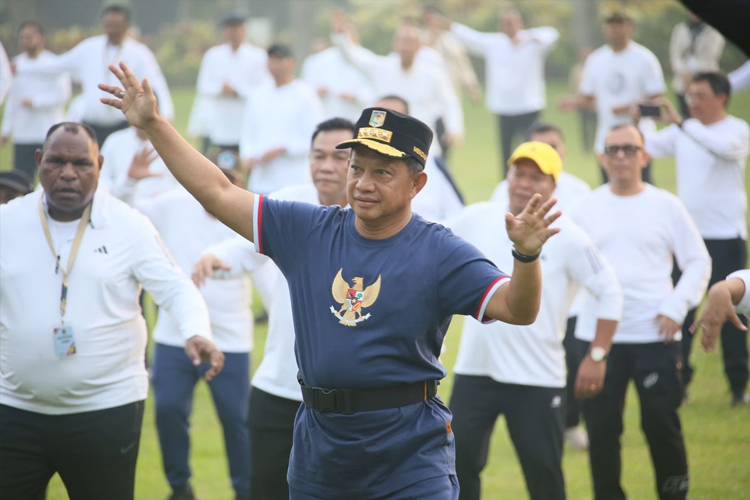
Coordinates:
x,y
568,190
616,76
276,128
710,151
229,72
515,58
640,229
73,381
35,102
725,300
519,371
275,394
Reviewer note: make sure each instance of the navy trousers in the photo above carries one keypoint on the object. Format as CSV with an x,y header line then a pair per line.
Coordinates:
x,y
173,379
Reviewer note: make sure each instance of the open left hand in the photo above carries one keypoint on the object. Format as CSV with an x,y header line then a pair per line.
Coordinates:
x,y
199,349
135,99
529,230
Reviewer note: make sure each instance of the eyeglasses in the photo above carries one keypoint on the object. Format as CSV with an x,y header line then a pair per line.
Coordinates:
x,y
628,149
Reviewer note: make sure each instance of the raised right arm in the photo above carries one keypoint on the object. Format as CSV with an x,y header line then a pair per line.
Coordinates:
x,y
205,181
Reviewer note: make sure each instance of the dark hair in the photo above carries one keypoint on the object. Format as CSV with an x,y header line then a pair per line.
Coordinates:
x,y
117,8
718,82
73,128
626,125
543,128
333,124
281,50
413,164
34,24
394,97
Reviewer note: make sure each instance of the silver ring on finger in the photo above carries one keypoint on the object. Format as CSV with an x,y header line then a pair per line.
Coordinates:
x,y
121,94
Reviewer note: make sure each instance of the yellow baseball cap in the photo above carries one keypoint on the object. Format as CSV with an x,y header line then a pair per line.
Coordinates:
x,y
541,153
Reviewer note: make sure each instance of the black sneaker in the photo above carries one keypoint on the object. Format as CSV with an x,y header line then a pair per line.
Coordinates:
x,y
740,399
183,493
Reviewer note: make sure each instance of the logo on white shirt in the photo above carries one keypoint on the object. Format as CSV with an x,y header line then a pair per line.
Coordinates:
x,y
102,249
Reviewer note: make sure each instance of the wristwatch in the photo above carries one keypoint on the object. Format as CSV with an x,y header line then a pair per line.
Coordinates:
x,y
598,354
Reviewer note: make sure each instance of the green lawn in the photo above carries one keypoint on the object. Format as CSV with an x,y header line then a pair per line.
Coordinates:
x,y
718,437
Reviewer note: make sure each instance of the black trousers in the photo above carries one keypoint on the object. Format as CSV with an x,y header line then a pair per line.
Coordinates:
x,y
727,256
534,416
23,158
510,127
654,368
271,423
104,131
575,350
587,120
93,452
684,109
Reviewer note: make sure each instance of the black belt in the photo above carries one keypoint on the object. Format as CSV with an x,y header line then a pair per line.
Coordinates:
x,y
348,401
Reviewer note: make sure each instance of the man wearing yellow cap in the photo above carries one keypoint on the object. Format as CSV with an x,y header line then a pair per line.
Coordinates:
x,y
373,290
519,371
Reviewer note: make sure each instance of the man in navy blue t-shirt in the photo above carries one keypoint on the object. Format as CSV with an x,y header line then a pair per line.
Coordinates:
x,y
373,289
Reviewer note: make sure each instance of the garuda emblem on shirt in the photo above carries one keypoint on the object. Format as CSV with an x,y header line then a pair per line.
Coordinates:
x,y
353,299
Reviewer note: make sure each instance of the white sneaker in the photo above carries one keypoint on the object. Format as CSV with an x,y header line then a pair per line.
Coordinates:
x,y
577,438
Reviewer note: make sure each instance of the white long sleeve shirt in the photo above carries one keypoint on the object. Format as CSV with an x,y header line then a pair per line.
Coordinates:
x,y
6,76
533,355
276,117
619,79
426,89
48,95
187,230
88,63
120,252
639,236
691,54
243,69
711,161
743,306
330,70
118,151
277,373
515,71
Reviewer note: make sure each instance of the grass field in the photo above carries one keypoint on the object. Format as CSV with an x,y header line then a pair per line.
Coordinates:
x,y
718,437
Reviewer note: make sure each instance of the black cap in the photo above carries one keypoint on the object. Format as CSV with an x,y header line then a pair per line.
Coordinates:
x,y
233,18
16,180
391,133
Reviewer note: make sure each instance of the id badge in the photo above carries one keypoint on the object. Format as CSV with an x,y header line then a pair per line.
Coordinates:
x,y
65,342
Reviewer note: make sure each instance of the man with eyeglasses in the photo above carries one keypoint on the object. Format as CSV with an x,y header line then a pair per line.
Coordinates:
x,y
710,151
639,229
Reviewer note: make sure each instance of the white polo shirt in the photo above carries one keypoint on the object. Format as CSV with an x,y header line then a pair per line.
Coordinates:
x,y
243,69
48,94
275,117
639,236
120,251
618,79
711,161
187,230
88,63
533,355
277,373
515,71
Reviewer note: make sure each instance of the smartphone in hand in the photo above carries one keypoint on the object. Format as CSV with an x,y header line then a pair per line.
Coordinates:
x,y
649,111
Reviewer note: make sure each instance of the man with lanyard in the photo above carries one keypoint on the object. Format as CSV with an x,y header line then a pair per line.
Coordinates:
x,y
373,290
72,374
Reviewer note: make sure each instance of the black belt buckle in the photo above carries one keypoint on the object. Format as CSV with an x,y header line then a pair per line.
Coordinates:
x,y
334,400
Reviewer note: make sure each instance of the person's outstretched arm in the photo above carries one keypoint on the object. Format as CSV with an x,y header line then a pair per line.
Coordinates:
x,y
205,181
